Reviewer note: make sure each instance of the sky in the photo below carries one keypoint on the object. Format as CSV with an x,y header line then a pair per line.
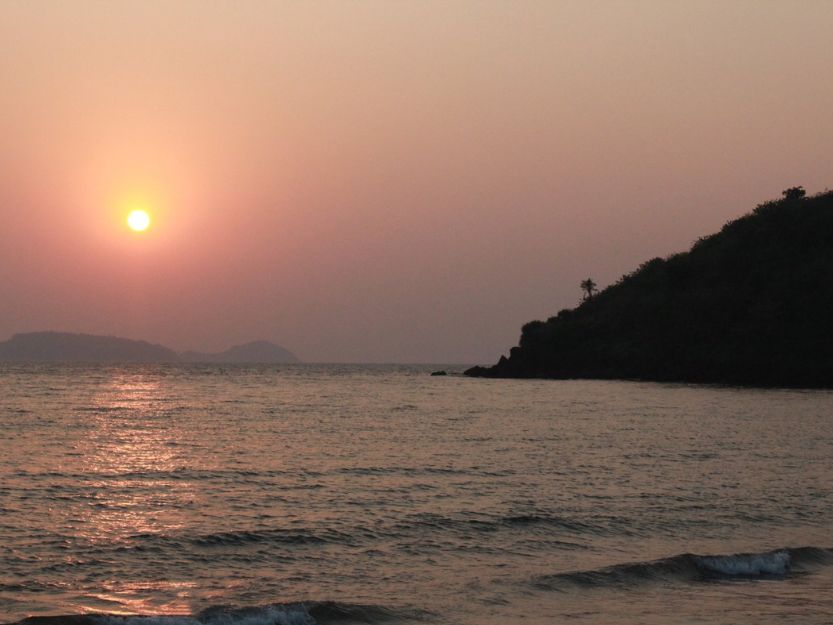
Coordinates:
x,y
366,181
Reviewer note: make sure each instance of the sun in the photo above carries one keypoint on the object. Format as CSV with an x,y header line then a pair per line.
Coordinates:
x,y
138,220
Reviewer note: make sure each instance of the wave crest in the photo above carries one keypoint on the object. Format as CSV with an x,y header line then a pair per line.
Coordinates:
x,y
772,564
692,568
302,613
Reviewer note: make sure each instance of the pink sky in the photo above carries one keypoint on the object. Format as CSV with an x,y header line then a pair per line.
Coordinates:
x,y
383,181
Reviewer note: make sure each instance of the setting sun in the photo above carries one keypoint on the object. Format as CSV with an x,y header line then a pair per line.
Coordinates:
x,y
138,220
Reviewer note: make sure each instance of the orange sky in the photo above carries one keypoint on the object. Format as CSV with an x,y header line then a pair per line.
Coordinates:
x,y
383,181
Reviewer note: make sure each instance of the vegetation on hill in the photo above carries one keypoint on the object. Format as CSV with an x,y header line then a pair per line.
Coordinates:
x,y
752,304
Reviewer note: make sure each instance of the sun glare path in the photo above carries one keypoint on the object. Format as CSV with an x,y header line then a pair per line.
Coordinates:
x,y
138,220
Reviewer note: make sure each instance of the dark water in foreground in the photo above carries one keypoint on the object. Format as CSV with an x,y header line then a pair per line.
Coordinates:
x,y
341,494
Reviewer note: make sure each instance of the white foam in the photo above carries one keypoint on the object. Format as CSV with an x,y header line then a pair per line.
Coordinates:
x,y
752,564
145,620
272,615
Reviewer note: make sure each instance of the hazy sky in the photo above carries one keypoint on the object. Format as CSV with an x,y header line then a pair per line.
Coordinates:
x,y
383,181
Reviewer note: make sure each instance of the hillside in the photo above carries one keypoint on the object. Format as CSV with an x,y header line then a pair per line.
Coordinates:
x,y
67,347
254,352
751,304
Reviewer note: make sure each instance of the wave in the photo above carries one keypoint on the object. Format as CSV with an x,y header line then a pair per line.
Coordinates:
x,y
355,535
277,536
492,523
187,473
302,613
417,530
688,567
287,537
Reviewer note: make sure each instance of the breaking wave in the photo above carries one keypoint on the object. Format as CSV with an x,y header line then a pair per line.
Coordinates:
x,y
687,567
305,613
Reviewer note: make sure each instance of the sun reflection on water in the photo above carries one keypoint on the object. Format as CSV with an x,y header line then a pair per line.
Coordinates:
x,y
124,598
136,460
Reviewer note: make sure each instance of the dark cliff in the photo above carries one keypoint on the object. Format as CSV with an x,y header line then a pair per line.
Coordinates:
x,y
752,305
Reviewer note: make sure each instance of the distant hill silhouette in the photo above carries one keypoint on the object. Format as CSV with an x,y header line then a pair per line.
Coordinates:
x,y
69,347
751,305
254,352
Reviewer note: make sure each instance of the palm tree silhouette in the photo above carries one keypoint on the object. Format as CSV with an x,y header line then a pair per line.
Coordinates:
x,y
589,288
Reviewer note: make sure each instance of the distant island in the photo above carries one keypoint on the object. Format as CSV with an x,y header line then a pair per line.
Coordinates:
x,y
750,305
70,347
254,352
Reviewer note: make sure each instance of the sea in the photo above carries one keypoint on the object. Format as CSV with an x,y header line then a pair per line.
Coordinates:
x,y
379,494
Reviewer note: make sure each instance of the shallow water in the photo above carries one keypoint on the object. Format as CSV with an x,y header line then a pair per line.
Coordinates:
x,y
315,494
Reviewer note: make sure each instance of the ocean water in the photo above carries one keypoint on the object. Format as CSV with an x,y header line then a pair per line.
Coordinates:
x,y
379,494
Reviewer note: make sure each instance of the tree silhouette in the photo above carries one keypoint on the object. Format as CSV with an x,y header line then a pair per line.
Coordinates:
x,y
794,193
589,288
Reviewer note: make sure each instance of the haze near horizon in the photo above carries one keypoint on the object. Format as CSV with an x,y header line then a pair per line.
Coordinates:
x,y
377,181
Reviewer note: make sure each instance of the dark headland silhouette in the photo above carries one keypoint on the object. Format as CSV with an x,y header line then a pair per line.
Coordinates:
x,y
750,305
69,347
